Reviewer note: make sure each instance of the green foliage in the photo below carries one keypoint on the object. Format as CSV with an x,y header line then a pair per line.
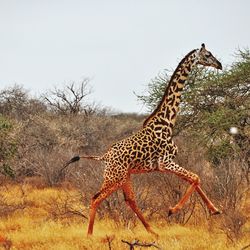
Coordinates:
x,y
5,125
7,170
212,103
220,151
156,88
8,146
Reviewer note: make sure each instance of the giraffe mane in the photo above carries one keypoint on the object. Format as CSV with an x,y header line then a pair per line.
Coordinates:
x,y
166,90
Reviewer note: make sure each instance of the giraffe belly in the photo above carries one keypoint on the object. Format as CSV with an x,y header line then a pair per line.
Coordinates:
x,y
143,169
150,162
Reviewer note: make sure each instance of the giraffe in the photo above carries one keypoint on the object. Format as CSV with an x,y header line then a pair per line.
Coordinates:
x,y
152,147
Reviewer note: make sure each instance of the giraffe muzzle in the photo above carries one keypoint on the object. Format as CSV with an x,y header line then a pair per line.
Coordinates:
x,y
218,65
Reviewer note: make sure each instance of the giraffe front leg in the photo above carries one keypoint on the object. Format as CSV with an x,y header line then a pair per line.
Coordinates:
x,y
179,205
207,201
195,186
195,180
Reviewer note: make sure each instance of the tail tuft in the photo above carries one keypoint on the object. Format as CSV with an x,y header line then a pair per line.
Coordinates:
x,y
75,158
90,157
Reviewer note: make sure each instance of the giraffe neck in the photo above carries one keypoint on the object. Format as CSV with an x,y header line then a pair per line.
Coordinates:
x,y
166,111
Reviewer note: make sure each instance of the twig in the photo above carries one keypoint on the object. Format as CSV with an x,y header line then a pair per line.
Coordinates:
x,y
137,243
108,239
245,247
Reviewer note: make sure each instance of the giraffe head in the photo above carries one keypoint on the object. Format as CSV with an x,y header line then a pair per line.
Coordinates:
x,y
206,58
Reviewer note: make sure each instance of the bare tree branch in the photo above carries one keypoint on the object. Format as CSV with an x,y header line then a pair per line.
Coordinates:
x,y
71,99
138,243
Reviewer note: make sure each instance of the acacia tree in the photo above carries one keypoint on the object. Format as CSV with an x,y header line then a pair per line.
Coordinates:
x,y
71,99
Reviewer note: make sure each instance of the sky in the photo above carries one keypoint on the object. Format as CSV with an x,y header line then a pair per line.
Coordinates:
x,y
119,45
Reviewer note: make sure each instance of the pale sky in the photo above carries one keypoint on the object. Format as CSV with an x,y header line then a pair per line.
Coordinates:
x,y
120,45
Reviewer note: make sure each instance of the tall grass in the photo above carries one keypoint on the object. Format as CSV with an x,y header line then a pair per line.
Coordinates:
x,y
39,225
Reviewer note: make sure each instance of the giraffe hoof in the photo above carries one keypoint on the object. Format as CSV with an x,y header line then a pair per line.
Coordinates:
x,y
216,212
152,232
170,212
89,233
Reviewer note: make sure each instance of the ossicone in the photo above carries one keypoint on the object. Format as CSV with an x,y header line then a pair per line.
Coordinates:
x,y
203,46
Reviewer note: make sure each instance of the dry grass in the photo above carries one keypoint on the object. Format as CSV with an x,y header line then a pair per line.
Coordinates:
x,y
32,226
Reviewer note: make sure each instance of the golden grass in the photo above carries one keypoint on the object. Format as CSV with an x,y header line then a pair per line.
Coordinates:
x,y
32,227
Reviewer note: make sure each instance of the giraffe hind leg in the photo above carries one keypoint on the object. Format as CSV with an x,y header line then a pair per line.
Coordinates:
x,y
96,201
130,200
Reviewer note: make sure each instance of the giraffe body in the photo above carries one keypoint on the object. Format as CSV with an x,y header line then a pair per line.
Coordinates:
x,y
152,148
139,153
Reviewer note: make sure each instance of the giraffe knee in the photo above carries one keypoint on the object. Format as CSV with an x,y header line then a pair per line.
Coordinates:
x,y
195,179
128,199
96,196
95,201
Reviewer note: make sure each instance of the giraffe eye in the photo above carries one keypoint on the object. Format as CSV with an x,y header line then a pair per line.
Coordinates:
x,y
208,54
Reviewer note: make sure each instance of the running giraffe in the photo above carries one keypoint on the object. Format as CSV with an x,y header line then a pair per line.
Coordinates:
x,y
152,148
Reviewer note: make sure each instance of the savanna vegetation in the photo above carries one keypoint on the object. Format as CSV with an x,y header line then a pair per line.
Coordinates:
x,y
44,205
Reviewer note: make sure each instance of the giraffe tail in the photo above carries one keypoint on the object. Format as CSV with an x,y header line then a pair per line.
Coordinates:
x,y
77,158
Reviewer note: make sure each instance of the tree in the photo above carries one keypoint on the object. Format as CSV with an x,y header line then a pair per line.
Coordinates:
x,y
15,102
71,99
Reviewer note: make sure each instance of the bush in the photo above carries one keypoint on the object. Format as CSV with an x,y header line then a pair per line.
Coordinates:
x,y
8,145
15,102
